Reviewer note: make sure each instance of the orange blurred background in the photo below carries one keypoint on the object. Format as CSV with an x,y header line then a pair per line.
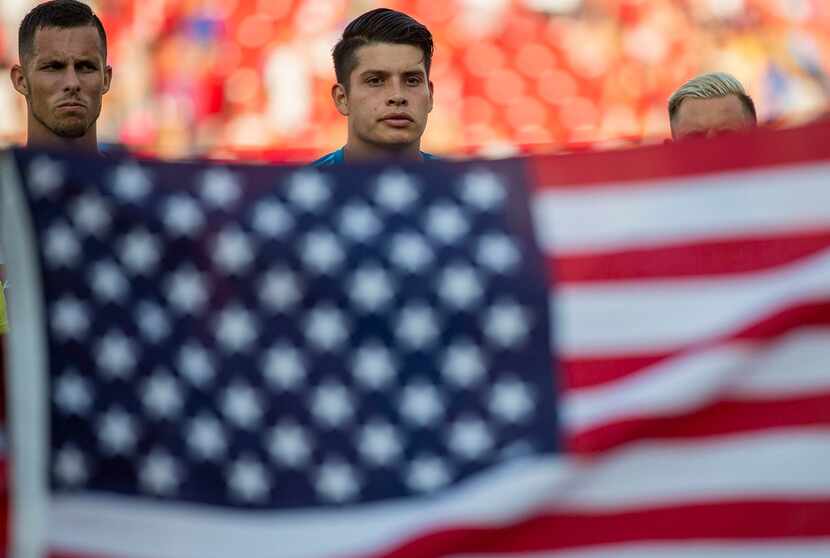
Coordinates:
x,y
250,79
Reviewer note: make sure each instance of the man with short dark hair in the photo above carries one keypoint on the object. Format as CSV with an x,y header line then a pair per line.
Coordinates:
x,y
63,74
710,105
382,64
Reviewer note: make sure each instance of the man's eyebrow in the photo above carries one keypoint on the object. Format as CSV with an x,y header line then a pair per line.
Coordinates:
x,y
370,71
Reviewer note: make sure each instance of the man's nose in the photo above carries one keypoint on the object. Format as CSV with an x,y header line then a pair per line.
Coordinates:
x,y
70,80
396,95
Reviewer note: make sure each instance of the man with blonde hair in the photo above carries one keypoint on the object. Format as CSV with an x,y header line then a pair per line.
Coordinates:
x,y
710,105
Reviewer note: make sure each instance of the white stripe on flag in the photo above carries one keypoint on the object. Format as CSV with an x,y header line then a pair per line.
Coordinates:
x,y
664,211
27,392
783,463
632,317
795,365
793,548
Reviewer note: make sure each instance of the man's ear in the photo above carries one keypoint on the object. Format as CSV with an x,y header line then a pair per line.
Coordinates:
x,y
431,96
19,80
107,78
340,98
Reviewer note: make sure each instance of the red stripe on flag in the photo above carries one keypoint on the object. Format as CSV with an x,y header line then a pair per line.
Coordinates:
x,y
762,148
737,521
701,259
723,417
587,372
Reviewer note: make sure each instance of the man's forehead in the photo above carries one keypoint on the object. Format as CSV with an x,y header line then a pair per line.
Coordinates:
x,y
61,42
389,57
719,106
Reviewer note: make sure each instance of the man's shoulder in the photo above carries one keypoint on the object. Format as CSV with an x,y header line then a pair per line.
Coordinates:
x,y
333,158
339,157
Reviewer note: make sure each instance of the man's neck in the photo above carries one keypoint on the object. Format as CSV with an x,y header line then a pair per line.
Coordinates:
x,y
42,138
363,152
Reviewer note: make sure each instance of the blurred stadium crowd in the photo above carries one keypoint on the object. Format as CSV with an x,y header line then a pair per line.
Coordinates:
x,y
250,79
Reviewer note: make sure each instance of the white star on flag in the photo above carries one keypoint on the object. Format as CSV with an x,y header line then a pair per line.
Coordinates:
x,y
373,365
511,400
206,438
410,252
140,252
182,216
71,467
284,367
446,223
236,329
91,215
116,355
379,443
326,328
160,473
506,324
497,253
153,322
186,290
272,220
460,286
242,405
417,326
483,190
359,223
232,251
321,252
61,246
421,404
162,395
117,432
370,288
45,176
308,190
332,405
248,480
280,290
220,187
289,444
469,438
108,283
427,473
131,182
396,191
463,364
73,394
70,318
337,481
196,364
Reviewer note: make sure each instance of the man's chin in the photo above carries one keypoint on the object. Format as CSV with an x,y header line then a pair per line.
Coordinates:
x,y
398,141
70,130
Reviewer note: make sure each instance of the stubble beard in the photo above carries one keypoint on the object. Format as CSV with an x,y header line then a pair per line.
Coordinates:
x,y
67,128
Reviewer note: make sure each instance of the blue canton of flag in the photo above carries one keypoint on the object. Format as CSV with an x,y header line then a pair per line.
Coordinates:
x,y
280,338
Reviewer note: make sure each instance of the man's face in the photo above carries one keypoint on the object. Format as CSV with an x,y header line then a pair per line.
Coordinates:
x,y
706,118
64,78
389,97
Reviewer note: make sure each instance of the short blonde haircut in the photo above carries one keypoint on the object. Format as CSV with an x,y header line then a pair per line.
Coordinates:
x,y
711,86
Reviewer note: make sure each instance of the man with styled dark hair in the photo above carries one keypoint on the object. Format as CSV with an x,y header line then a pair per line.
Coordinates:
x,y
382,65
63,74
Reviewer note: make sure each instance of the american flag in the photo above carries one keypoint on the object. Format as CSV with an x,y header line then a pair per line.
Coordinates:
x,y
365,361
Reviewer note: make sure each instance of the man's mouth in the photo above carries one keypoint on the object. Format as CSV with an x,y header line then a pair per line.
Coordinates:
x,y
398,120
71,105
